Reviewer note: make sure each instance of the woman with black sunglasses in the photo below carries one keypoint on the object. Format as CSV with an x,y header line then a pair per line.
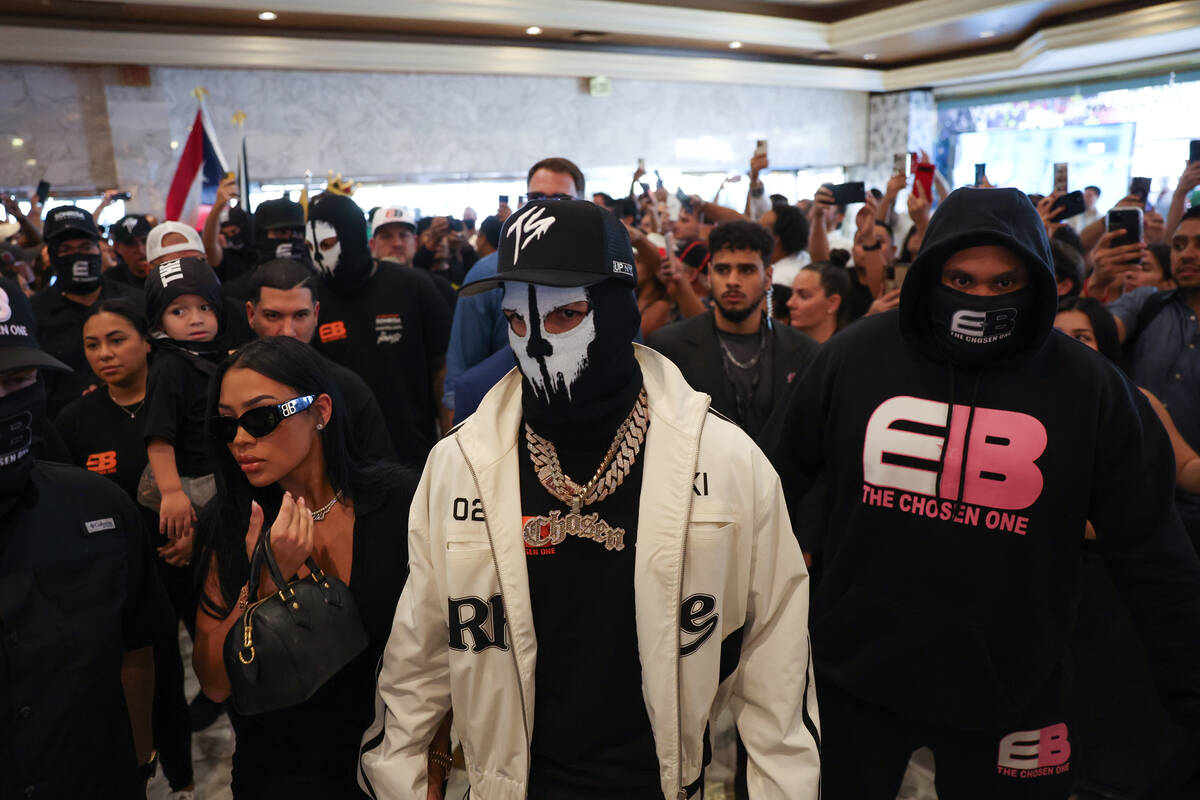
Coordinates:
x,y
284,452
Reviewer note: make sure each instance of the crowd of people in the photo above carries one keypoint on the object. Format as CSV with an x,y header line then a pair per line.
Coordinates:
x,y
915,471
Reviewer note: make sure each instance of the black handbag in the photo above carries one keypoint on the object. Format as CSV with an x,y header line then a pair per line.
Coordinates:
x,y
287,645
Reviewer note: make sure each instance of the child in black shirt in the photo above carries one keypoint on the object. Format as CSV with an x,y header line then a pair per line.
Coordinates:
x,y
183,303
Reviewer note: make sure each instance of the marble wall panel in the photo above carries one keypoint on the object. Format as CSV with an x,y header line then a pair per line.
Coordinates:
x,y
414,126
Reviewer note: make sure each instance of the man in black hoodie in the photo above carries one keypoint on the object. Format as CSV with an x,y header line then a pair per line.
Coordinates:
x,y
958,481
384,321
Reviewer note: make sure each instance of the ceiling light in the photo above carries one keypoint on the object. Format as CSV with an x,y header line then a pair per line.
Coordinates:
x,y
174,145
17,141
735,45
32,162
533,30
870,56
268,16
986,34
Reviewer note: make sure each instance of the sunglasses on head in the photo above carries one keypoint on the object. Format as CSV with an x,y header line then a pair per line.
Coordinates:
x,y
258,422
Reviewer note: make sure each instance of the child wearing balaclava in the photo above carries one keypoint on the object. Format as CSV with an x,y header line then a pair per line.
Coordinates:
x,y
183,303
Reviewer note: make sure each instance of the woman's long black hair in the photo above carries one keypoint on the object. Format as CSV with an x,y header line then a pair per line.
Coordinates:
x,y
221,532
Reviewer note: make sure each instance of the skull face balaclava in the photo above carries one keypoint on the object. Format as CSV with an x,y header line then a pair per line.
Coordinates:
x,y
575,369
347,263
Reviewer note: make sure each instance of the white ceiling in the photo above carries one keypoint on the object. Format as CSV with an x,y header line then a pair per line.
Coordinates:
x,y
1163,34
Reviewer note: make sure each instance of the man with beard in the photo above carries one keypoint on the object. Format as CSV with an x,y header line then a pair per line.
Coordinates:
x,y
73,245
283,302
734,352
958,484
1160,335
78,595
394,235
384,321
584,631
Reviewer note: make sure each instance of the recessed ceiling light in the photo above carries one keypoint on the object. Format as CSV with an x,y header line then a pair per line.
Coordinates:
x,y
174,145
32,162
735,45
986,34
268,16
17,141
533,30
870,56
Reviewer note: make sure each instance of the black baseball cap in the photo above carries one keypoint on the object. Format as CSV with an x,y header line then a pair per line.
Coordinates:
x,y
18,332
130,227
69,222
278,213
563,243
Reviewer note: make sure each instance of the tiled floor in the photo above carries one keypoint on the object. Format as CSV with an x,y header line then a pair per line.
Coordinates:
x,y
212,753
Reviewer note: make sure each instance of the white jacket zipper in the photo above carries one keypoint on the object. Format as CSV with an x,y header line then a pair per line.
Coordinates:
x,y
687,521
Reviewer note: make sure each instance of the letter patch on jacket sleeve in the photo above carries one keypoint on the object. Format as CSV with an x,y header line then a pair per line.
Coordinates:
x,y
698,618
485,621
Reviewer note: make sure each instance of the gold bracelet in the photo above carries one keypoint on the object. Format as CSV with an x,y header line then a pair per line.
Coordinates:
x,y
443,760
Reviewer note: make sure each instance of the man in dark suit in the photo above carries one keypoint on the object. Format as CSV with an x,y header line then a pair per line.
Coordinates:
x,y
734,352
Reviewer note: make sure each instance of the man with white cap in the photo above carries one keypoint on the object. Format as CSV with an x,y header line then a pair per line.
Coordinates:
x,y
394,235
169,240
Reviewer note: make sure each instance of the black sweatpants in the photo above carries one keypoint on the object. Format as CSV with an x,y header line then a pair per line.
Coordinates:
x,y
169,718
865,749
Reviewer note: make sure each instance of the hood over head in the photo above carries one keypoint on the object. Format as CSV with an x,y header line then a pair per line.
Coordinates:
x,y
972,217
347,264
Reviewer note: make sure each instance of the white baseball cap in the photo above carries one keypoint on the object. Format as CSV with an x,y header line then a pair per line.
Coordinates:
x,y
392,214
155,248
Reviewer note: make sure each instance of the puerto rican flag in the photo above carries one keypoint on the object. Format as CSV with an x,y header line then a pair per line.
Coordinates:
x,y
201,168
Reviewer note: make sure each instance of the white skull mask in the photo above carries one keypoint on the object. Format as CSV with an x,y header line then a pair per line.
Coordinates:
x,y
326,260
551,362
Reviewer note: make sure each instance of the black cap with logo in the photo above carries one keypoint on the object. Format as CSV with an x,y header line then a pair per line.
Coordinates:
x,y
561,243
278,213
69,222
130,227
18,332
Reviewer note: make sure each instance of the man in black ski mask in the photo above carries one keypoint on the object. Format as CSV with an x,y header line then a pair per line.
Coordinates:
x,y
78,607
640,546
386,322
73,244
963,445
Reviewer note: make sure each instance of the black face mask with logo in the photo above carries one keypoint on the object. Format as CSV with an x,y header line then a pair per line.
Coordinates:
x,y
21,413
77,273
294,248
974,330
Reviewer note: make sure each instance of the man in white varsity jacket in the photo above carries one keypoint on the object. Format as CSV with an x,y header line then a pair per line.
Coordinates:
x,y
597,562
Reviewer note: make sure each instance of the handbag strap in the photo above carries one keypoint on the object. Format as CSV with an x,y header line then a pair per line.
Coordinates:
x,y
277,574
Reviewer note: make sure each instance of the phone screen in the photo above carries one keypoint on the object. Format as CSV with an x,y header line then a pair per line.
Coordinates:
x,y
43,191
503,199
1125,219
980,173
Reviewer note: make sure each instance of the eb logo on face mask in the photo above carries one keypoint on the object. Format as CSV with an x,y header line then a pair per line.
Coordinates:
x,y
981,327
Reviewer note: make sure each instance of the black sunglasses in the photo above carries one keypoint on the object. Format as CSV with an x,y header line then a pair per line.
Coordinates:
x,y
258,422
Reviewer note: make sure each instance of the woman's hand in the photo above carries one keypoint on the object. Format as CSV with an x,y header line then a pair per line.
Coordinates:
x,y
885,302
291,535
175,515
178,552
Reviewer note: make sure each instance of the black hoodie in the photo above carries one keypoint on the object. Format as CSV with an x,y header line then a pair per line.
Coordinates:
x,y
948,589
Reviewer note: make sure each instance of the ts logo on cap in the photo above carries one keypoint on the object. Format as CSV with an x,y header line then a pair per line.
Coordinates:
x,y
129,223
530,227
